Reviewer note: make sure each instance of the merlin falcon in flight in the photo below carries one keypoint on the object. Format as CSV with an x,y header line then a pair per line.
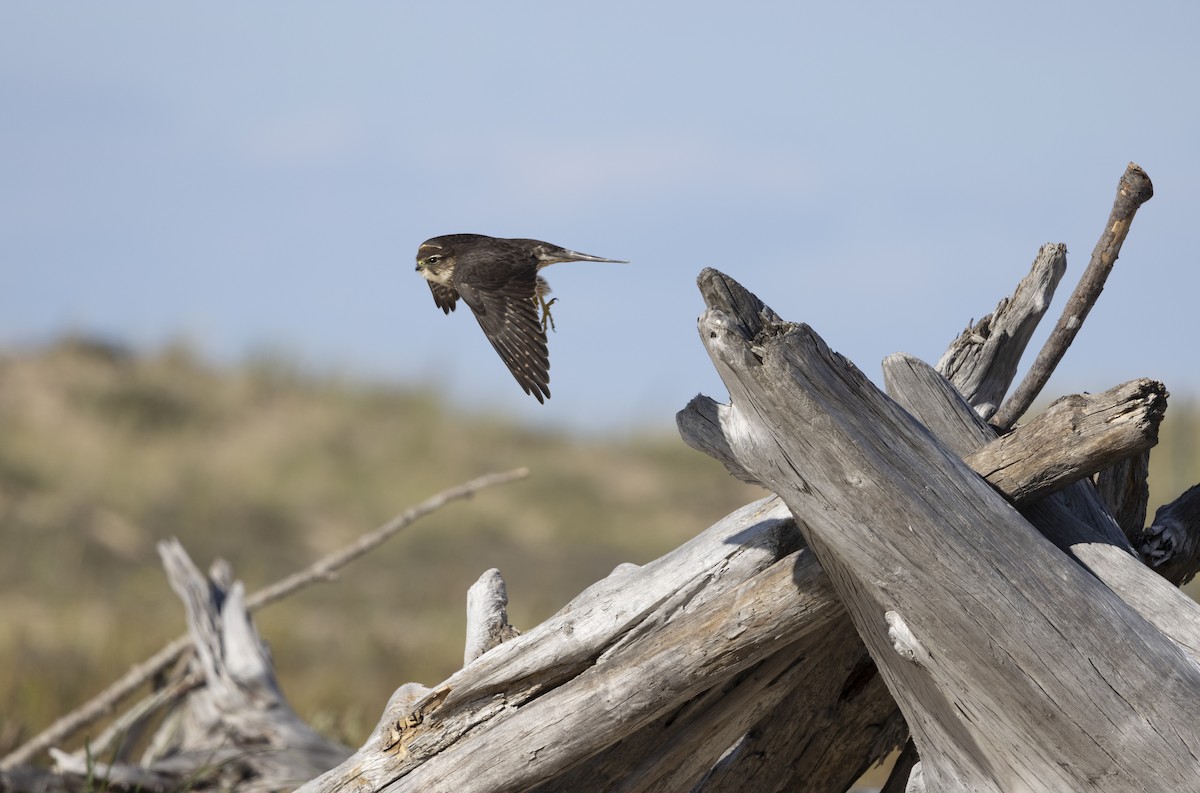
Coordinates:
x,y
498,278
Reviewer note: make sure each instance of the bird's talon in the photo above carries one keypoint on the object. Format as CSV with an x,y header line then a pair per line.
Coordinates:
x,y
547,318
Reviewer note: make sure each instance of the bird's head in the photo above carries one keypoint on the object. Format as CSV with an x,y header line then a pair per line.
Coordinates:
x,y
435,260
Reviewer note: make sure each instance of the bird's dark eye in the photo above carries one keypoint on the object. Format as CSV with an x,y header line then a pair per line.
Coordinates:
x,y
434,259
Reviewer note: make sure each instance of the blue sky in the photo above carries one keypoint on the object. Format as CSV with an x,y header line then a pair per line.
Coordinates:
x,y
259,176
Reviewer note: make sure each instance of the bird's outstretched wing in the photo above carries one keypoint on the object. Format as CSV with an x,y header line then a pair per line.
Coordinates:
x,y
445,296
508,315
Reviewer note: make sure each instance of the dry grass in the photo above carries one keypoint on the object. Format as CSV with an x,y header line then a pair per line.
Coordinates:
x,y
102,454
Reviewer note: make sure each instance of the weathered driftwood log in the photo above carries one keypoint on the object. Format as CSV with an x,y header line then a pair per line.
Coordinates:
x,y
983,358
1016,670
627,652
605,746
581,737
1073,519
239,720
1074,438
941,399
730,665
685,739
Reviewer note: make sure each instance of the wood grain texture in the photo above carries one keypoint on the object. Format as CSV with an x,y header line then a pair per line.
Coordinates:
x,y
626,653
1073,519
487,616
1075,437
1125,490
1035,675
983,360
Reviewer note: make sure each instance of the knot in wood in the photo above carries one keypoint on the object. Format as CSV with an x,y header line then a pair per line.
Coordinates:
x,y
903,641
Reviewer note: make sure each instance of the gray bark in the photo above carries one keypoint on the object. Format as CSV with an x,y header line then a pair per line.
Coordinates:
x,y
1027,651
1073,519
728,707
1074,438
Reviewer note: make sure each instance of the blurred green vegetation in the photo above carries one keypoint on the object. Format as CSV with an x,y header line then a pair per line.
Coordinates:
x,y
102,453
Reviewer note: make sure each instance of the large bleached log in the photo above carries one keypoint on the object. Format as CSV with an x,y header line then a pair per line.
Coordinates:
x,y
1016,669
626,652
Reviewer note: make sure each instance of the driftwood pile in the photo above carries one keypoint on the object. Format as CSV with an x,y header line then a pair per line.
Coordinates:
x,y
925,577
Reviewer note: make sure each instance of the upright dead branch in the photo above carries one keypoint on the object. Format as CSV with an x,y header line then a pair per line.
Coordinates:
x,y
487,616
983,360
1134,190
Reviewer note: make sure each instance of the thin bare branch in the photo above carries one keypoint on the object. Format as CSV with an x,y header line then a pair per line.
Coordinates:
x,y
1134,190
323,568
107,700
122,731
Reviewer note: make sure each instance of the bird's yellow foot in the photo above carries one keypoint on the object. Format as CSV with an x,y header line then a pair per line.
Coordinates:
x,y
547,320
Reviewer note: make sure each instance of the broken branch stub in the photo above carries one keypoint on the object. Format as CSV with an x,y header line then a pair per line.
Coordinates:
x,y
1171,544
983,360
1074,438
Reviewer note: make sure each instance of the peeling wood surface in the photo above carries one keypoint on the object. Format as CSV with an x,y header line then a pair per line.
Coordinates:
x,y
1124,488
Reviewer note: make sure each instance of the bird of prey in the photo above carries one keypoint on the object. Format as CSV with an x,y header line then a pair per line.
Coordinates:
x,y
498,278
